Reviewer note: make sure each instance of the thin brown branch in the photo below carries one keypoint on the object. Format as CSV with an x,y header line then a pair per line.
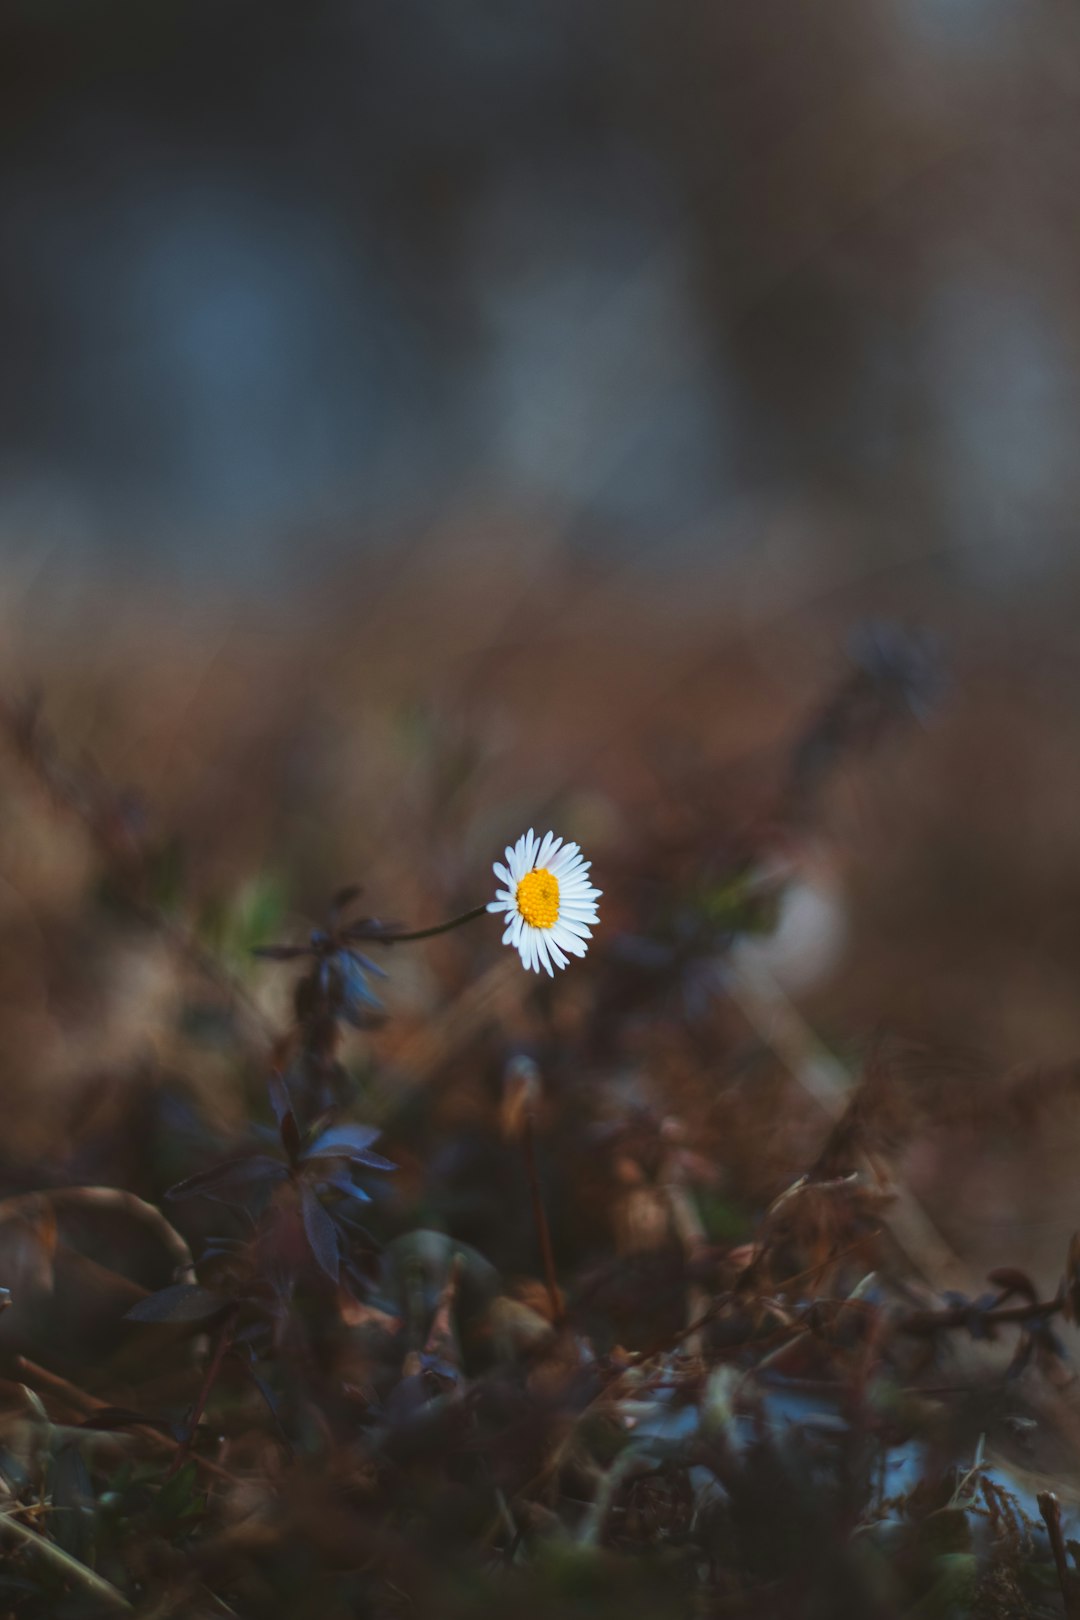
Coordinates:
x,y
926,1323
81,1401
1050,1509
23,1205
213,1368
64,1563
543,1231
782,1028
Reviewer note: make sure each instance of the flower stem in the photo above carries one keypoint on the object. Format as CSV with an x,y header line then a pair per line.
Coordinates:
x,y
438,928
213,1367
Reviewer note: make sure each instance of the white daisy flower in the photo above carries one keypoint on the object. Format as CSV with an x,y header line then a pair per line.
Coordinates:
x,y
547,899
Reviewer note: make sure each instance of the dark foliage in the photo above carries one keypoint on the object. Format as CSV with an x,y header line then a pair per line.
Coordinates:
x,y
547,1353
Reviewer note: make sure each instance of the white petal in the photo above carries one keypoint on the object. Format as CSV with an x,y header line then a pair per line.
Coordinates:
x,y
546,947
574,880
570,925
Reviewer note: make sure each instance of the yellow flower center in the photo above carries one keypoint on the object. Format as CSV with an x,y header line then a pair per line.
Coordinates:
x,y
538,898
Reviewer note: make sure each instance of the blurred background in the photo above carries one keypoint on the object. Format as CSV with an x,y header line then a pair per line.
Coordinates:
x,y
282,286
418,421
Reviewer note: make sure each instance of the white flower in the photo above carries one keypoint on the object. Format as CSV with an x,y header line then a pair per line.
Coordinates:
x,y
547,899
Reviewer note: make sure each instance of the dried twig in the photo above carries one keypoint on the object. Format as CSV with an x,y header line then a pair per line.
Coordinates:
x,y
213,1367
782,1028
80,1400
25,1205
543,1230
63,1562
1050,1509
100,809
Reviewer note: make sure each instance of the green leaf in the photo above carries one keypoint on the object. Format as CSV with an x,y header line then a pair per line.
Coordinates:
x,y
951,1595
179,1502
